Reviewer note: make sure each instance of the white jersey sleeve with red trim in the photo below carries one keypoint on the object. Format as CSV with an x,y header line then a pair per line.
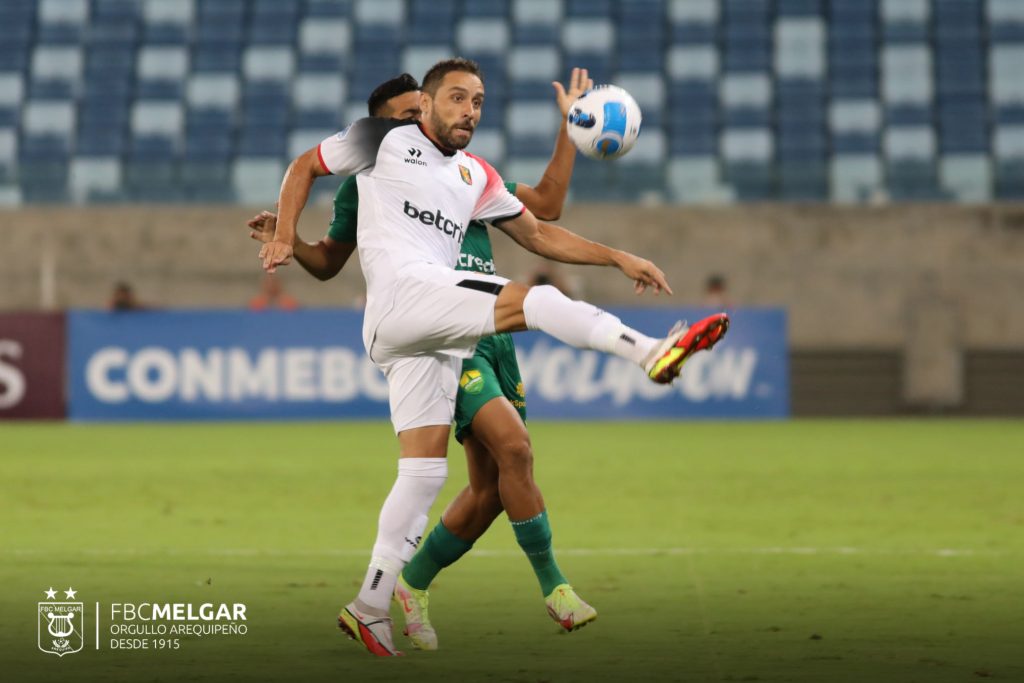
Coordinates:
x,y
496,204
355,148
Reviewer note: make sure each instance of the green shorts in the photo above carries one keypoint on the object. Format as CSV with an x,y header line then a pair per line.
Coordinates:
x,y
491,373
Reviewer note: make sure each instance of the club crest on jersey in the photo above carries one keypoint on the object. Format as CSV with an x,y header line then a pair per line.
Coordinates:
x,y
466,177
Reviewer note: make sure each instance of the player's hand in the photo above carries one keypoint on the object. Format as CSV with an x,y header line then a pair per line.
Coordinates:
x,y
579,83
274,254
643,273
263,226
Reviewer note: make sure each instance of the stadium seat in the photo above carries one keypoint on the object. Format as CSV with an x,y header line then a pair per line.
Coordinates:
x,y
8,154
177,12
909,143
12,89
379,11
63,11
166,34
157,118
43,168
800,47
588,35
855,115
213,91
695,179
543,12
57,63
1006,66
967,177
49,117
854,177
651,150
256,180
490,144
910,180
302,139
1008,143
1005,21
418,58
737,90
318,35
162,63
739,145
316,91
751,181
648,89
803,181
906,74
95,178
799,8
685,62
539,35
532,63
693,11
539,118
1009,183
217,59
268,63
327,8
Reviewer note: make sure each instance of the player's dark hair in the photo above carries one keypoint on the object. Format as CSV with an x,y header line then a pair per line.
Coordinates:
x,y
399,85
432,81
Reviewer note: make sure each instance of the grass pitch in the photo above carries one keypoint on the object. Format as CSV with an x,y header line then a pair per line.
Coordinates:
x,y
800,551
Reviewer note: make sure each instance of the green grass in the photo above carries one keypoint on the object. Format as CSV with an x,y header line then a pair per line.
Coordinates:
x,y
865,551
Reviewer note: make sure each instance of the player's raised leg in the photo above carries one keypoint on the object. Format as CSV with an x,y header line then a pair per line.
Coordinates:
x,y
583,325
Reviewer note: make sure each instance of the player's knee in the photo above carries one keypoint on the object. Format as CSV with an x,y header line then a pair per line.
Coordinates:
x,y
516,457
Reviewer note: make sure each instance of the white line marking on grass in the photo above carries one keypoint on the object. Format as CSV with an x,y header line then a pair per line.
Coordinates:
x,y
569,552
702,608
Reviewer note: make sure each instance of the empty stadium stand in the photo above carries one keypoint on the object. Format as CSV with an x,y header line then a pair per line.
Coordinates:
x,y
743,100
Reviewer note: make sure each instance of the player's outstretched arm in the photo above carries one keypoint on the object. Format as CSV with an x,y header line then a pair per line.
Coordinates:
x,y
298,180
323,260
558,244
548,197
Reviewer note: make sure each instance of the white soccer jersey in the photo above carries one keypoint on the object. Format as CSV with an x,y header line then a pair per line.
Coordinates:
x,y
415,201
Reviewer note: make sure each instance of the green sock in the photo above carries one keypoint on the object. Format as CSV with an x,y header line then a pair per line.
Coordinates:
x,y
534,537
441,549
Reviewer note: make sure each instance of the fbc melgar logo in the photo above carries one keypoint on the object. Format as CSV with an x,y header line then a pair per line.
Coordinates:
x,y
61,624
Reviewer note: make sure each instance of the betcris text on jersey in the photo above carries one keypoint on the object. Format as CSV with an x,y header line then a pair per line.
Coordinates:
x,y
436,219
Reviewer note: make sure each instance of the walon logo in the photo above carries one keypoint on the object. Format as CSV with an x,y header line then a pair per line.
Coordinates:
x,y
61,624
415,155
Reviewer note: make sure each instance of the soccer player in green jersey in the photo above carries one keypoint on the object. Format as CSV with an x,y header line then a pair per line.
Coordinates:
x,y
490,410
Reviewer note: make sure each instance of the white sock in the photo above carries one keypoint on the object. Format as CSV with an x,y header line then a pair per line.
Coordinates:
x,y
582,325
403,517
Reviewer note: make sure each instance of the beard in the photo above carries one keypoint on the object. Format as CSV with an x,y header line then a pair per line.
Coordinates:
x,y
446,132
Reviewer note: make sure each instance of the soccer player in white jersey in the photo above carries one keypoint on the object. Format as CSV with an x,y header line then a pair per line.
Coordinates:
x,y
418,190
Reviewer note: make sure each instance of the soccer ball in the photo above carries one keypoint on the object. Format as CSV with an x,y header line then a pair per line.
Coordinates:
x,y
604,122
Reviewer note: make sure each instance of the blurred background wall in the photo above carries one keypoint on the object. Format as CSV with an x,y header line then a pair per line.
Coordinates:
x,y
909,307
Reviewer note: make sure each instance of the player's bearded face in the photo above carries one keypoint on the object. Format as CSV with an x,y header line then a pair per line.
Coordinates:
x,y
455,109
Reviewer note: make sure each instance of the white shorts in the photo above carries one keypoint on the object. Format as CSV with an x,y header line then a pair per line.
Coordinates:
x,y
436,317
435,310
422,389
